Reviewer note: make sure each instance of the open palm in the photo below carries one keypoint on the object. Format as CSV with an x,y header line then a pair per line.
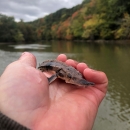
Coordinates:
x,y
26,96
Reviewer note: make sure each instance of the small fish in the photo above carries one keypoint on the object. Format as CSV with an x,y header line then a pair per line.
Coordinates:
x,y
64,72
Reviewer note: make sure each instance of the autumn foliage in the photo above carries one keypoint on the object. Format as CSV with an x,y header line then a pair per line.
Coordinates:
x,y
93,19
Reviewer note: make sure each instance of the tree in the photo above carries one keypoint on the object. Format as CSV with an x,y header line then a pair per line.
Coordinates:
x,y
77,26
18,37
123,32
8,28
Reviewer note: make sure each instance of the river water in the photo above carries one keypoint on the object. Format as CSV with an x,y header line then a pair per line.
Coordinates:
x,y
113,59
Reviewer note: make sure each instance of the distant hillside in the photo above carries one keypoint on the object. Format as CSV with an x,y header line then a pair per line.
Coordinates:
x,y
55,25
93,19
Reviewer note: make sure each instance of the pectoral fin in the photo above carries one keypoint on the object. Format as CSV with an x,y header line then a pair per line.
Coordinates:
x,y
52,78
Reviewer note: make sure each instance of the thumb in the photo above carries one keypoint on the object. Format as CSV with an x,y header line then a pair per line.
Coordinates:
x,y
28,58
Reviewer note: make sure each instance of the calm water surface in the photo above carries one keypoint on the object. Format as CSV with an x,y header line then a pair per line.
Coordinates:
x,y
114,60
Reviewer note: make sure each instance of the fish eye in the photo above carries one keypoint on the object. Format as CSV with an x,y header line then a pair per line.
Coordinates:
x,y
69,76
60,74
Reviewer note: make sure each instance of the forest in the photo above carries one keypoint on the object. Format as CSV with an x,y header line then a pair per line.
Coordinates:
x,y
90,20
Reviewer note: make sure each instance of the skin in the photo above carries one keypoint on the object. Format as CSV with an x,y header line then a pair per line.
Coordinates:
x,y
26,97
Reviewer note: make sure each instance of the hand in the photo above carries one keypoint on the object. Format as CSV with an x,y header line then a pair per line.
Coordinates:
x,y
26,96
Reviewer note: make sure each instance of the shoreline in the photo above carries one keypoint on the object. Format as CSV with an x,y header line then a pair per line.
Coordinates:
x,y
85,41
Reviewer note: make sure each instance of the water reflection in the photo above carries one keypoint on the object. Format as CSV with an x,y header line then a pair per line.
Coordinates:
x,y
29,46
114,112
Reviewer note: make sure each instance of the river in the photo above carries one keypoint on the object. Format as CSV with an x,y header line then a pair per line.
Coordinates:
x,y
113,59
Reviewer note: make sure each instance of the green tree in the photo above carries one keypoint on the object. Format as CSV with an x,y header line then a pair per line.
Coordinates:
x,y
28,31
77,27
123,32
8,28
18,37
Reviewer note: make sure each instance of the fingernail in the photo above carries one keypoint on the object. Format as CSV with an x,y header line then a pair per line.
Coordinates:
x,y
23,53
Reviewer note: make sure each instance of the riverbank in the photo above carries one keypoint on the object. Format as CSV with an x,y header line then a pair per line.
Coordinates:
x,y
105,41
84,41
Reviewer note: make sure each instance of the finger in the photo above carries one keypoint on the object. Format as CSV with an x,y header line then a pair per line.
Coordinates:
x,y
81,67
28,58
71,62
62,57
97,77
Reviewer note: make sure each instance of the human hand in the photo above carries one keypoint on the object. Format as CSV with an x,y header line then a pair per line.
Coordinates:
x,y
26,96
